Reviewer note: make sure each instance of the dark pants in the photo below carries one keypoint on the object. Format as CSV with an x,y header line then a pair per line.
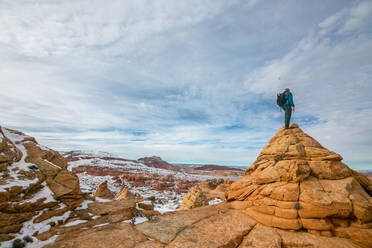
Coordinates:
x,y
287,116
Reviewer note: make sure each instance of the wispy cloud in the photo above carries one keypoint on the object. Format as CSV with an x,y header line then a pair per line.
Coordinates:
x,y
186,80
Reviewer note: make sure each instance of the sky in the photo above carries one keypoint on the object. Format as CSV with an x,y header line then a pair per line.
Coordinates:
x,y
192,81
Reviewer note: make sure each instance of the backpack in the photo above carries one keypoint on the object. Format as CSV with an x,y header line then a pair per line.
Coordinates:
x,y
280,99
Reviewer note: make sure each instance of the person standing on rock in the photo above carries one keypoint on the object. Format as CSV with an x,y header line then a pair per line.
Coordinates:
x,y
288,106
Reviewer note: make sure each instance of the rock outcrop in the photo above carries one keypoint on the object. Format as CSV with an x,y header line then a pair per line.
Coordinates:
x,y
124,194
215,188
40,198
35,185
194,198
297,184
104,192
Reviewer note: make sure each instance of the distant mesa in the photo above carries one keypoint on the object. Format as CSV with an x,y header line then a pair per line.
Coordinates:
x,y
157,162
216,167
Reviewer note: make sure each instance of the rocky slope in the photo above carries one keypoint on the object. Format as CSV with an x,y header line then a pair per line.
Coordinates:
x,y
41,200
36,189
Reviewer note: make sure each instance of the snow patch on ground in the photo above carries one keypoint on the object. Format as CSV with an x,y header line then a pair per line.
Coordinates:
x,y
17,139
99,225
29,228
136,220
54,165
147,202
74,223
84,205
45,192
214,201
99,199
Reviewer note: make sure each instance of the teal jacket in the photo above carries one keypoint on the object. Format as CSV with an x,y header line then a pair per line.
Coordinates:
x,y
288,96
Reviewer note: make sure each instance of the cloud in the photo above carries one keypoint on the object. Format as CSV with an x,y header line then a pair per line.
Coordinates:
x,y
187,80
41,29
349,20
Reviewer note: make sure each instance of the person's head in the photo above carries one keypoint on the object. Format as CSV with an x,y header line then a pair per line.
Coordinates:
x,y
287,89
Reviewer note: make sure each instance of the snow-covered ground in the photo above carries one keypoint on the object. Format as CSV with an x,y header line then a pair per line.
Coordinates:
x,y
29,227
17,179
17,166
166,200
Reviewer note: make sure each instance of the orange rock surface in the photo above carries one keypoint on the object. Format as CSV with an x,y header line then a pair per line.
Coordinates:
x,y
297,184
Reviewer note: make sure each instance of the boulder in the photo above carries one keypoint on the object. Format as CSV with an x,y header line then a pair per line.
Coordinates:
x,y
65,183
126,209
124,194
194,198
146,205
103,191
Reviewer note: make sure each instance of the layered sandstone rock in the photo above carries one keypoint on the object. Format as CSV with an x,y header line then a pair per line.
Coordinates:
x,y
40,198
222,226
94,215
103,191
35,185
108,236
124,194
194,198
297,184
215,188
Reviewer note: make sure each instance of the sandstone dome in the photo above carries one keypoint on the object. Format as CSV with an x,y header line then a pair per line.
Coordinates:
x,y
297,184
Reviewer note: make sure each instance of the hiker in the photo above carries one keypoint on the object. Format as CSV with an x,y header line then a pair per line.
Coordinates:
x,y
287,106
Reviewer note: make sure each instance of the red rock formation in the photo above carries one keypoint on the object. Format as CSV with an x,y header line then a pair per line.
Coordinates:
x,y
212,167
157,162
194,198
124,194
104,192
34,183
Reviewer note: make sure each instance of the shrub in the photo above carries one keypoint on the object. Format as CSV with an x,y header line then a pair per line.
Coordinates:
x,y
28,239
18,244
